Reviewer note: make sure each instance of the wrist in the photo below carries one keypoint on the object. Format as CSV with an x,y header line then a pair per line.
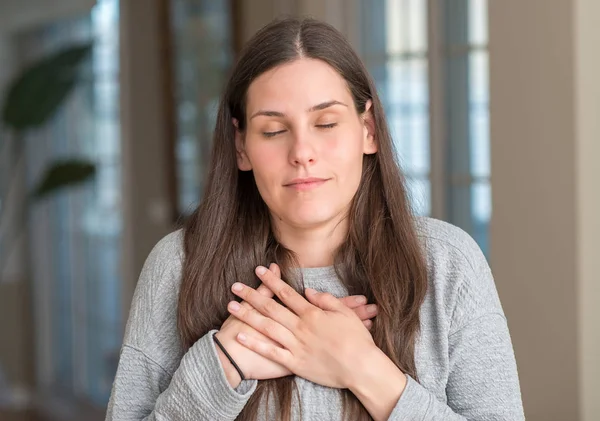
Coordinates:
x,y
232,375
378,383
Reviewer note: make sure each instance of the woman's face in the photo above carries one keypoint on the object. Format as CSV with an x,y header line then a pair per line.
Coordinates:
x,y
304,142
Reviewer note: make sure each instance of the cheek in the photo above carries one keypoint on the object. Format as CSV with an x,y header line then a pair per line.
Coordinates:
x,y
267,161
345,153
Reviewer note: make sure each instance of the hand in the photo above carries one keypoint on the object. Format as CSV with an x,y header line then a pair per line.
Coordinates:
x,y
319,339
255,366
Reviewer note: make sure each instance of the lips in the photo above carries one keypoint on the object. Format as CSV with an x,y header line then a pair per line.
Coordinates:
x,y
308,183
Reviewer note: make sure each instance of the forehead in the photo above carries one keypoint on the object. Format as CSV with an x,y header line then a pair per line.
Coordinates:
x,y
299,84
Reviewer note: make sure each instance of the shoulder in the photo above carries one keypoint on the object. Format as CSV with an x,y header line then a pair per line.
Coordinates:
x,y
167,252
161,274
460,279
152,315
448,244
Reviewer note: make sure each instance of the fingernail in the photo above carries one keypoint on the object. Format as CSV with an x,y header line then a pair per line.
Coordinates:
x,y
234,306
310,291
261,270
242,337
372,308
361,299
237,287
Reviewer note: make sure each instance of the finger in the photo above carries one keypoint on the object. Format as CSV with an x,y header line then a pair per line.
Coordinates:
x,y
354,301
366,312
274,267
368,324
262,290
325,301
288,295
268,307
268,327
271,352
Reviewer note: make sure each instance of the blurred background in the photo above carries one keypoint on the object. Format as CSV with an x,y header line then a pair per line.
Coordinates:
x,y
107,112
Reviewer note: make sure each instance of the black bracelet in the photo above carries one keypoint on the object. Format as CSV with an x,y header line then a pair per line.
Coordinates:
x,y
220,345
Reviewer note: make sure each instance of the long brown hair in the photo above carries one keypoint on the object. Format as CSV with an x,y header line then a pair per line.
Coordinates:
x,y
230,233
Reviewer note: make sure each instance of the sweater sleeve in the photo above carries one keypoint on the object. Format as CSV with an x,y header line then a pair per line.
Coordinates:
x,y
482,383
155,380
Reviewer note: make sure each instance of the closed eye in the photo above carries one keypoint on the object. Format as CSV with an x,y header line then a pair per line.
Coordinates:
x,y
272,134
327,126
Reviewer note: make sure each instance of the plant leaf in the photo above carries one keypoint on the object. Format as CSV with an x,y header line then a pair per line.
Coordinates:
x,y
37,93
62,174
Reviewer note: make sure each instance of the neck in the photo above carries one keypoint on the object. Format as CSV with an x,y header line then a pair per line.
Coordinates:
x,y
314,246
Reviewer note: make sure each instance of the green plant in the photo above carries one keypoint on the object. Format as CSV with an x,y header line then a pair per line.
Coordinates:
x,y
32,99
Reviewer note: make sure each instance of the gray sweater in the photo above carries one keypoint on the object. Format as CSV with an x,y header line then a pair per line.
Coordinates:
x,y
464,357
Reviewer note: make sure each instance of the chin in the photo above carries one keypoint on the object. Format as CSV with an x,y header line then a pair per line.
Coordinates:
x,y
311,216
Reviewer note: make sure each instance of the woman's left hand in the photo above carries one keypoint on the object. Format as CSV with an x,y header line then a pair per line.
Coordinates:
x,y
321,339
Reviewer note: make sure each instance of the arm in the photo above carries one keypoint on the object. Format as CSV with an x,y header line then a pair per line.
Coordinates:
x,y
199,389
482,382
155,380
482,385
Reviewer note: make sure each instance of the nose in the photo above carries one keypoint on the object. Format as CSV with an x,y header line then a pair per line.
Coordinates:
x,y
302,149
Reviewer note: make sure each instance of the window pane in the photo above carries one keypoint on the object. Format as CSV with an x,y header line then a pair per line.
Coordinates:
x,y
408,113
419,193
457,23
479,113
406,26
478,22
395,55
467,94
470,209
78,230
481,208
203,56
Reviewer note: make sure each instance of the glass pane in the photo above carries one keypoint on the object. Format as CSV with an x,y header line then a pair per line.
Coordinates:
x,y
406,26
479,114
456,23
481,208
467,96
77,240
203,56
470,208
402,82
478,22
419,193
408,113
458,117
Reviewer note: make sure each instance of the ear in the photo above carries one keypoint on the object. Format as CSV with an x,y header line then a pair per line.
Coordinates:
x,y
242,158
369,141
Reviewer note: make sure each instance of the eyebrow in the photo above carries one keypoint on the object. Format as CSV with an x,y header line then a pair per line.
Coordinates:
x,y
317,107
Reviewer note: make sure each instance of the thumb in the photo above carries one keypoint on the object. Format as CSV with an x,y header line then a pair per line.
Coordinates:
x,y
323,300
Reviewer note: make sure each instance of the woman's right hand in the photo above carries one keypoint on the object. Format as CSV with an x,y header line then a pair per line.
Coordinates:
x,y
255,366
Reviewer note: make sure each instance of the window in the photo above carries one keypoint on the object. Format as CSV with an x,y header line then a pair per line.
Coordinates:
x,y
407,45
77,245
203,57
429,60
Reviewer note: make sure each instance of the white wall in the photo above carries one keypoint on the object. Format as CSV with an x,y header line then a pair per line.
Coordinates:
x,y
544,105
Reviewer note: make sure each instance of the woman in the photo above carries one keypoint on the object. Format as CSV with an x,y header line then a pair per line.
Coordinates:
x,y
305,214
